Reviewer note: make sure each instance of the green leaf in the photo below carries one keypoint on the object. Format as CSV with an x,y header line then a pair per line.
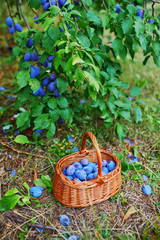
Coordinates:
x,y
9,202
135,92
120,131
114,91
36,38
105,18
156,48
21,139
39,182
26,186
127,26
16,51
52,103
139,26
65,114
111,107
43,16
131,9
11,192
47,180
126,115
22,119
22,78
92,80
144,42
51,131
41,121
37,110
35,3
34,84
77,59
62,102
92,16
62,84
137,114
119,48
82,39
54,10
54,115
53,33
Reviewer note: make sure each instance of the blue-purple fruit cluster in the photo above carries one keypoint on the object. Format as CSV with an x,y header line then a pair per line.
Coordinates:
x,y
12,27
85,170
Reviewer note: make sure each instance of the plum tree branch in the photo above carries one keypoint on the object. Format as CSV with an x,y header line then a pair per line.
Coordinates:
x,y
8,8
104,5
20,5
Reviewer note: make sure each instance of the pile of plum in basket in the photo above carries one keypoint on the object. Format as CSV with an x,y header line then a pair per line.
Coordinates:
x,y
85,171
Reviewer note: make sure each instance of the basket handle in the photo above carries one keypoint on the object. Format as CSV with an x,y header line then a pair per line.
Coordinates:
x,y
83,148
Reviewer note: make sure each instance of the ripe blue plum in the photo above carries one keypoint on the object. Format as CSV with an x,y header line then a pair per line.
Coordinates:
x,y
43,2
45,82
64,171
145,178
51,86
35,93
18,27
35,19
52,77
90,176
111,165
104,170
38,131
56,93
91,164
88,169
62,2
140,13
76,180
61,29
12,30
147,189
118,8
76,3
30,41
151,20
104,163
84,162
45,64
50,58
61,120
95,168
53,2
46,6
70,170
27,57
64,220
9,21
37,70
95,174
70,177
33,73
73,237
34,56
81,174
41,92
77,165
35,192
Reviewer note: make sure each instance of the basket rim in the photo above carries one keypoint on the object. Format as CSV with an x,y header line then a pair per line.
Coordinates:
x,y
90,183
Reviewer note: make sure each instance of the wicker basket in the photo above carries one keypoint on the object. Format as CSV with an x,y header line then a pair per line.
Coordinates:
x,y
82,194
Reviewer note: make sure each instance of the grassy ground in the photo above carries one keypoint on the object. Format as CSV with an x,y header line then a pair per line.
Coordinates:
x,y
129,214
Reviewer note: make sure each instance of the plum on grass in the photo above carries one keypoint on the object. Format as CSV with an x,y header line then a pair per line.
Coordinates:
x,y
18,27
81,174
64,220
27,57
36,191
45,82
12,30
73,237
9,21
118,8
84,162
38,131
70,170
61,120
147,189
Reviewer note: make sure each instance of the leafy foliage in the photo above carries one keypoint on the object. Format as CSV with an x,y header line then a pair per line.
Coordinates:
x,y
84,66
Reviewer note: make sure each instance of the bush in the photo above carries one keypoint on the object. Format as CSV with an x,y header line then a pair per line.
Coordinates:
x,y
66,60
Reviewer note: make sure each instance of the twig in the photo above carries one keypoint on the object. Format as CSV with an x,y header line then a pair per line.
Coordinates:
x,y
105,5
34,225
17,6
27,153
84,6
8,7
20,4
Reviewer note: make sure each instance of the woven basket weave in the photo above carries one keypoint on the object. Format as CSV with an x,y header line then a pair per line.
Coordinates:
x,y
82,194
